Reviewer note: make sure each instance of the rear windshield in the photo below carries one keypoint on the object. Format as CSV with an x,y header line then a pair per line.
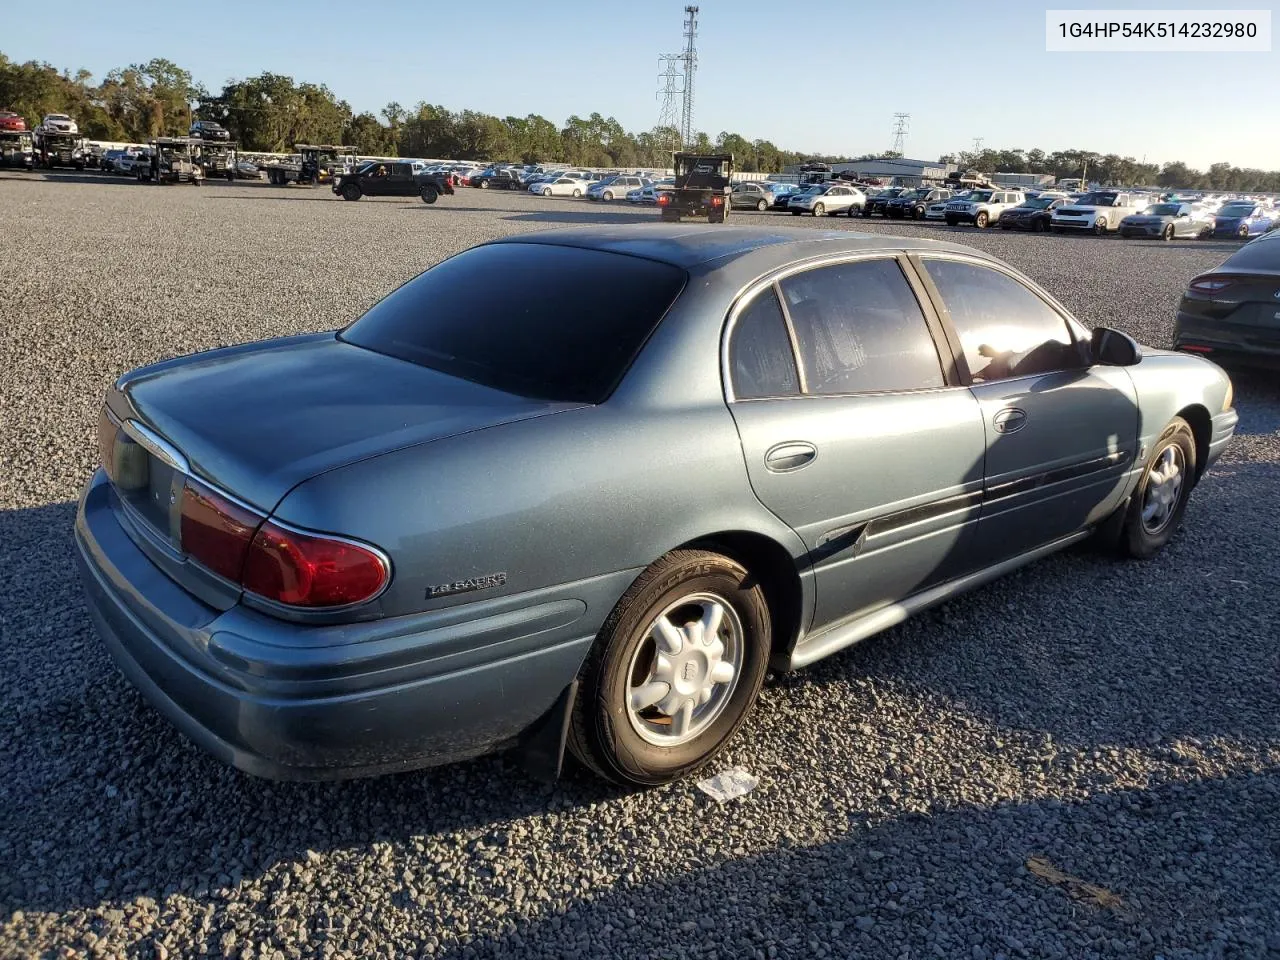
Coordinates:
x,y
543,321
1262,254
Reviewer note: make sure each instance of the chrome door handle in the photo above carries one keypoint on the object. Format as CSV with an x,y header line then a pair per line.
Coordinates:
x,y
785,457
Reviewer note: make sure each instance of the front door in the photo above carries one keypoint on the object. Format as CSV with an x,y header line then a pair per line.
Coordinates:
x,y
1061,433
863,447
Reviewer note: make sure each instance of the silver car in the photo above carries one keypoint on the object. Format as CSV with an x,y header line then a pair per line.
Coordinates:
x,y
598,501
828,198
754,196
1167,221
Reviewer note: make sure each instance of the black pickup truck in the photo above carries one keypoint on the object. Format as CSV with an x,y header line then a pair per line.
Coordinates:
x,y
379,178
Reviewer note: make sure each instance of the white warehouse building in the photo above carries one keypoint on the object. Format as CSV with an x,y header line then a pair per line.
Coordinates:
x,y
907,172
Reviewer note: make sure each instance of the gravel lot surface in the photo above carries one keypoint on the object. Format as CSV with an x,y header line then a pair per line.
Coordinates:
x,y
1121,721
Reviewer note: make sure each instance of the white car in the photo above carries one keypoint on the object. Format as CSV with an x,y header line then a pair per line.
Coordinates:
x,y
827,198
615,188
938,211
982,207
560,187
59,123
1099,212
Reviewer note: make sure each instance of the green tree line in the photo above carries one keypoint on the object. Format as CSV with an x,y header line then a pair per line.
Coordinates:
x,y
272,112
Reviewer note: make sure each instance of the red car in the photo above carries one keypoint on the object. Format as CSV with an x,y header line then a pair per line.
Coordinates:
x,y
12,122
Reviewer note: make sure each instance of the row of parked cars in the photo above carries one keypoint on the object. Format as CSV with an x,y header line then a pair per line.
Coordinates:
x,y
1101,212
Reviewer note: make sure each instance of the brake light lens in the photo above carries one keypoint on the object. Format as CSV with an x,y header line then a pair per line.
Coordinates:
x,y
717,201
312,570
1210,284
215,531
663,199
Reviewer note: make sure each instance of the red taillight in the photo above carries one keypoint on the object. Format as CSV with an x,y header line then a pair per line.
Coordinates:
x,y
1195,348
717,201
311,570
663,198
1210,284
214,531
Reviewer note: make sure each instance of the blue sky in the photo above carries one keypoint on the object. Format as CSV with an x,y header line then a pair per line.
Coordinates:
x,y
830,83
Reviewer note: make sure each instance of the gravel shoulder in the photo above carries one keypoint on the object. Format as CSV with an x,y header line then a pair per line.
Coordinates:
x,y
1118,721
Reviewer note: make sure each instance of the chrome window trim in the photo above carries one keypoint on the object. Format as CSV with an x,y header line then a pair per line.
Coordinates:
x,y
774,279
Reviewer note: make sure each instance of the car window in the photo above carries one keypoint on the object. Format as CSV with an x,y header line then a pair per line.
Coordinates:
x,y
860,329
760,355
1005,329
532,333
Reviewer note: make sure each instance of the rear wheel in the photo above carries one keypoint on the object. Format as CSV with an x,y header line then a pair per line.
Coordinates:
x,y
761,206
577,194
674,671
854,211
429,194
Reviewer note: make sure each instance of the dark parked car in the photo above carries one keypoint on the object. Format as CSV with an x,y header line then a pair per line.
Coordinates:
x,y
381,179
475,517
1232,312
912,204
208,130
1034,215
879,203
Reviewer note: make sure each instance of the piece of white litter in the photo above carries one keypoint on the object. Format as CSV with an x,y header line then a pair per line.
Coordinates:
x,y
729,784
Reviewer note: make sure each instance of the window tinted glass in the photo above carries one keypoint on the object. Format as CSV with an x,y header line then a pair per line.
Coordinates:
x,y
760,353
1004,328
529,318
860,329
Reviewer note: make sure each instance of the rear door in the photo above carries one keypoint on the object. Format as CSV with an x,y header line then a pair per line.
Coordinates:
x,y
1061,433
401,182
855,431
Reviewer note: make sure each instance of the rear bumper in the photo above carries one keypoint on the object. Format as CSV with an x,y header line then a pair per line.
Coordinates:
x,y
293,702
1225,342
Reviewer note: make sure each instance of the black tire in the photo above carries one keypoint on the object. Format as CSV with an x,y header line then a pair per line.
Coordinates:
x,y
854,211
546,191
602,735
1243,232
1059,230
819,210
577,194
796,213
608,195
952,221
484,184
1137,539
761,206
429,194
981,219
1168,232
670,216
1005,226
1039,226
351,192
1100,227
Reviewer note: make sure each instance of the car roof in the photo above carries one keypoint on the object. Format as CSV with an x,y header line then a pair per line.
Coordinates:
x,y
694,245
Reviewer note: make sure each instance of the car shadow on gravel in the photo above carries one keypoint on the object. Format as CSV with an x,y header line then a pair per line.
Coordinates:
x,y
1129,873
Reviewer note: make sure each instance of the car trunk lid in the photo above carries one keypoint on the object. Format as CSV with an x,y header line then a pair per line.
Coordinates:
x,y
258,421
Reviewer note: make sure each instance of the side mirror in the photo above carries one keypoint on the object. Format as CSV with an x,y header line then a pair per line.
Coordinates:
x,y
1113,348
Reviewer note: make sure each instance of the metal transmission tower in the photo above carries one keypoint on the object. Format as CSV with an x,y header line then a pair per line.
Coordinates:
x,y
900,123
677,84
690,66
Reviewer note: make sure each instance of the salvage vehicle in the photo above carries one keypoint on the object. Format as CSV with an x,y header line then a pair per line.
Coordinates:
x,y
983,207
217,158
437,531
209,130
1243,219
170,160
17,149
56,149
878,203
316,163
701,188
11,122
378,179
1232,312
1167,221
912,204
58,123
1034,214
758,196
1099,212
832,197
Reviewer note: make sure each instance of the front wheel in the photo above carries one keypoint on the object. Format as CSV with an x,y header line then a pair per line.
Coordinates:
x,y
819,210
1243,232
1168,232
952,221
1156,507
981,220
350,191
1100,228
674,671
608,195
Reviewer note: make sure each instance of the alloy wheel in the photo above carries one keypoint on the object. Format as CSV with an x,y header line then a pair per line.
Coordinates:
x,y
1164,485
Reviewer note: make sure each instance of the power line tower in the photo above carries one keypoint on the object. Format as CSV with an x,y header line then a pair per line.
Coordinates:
x,y
690,66
977,144
676,79
900,124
